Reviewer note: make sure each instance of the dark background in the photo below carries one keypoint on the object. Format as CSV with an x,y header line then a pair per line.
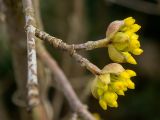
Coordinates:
x,y
143,103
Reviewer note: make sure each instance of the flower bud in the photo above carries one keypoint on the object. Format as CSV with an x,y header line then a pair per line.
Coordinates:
x,y
115,55
120,92
113,28
129,21
131,73
113,68
124,40
137,51
120,37
135,27
129,58
96,116
130,84
113,82
103,104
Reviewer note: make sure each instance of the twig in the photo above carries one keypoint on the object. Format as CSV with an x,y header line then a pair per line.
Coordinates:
x,y
77,33
86,63
58,43
90,45
66,88
32,84
139,5
73,100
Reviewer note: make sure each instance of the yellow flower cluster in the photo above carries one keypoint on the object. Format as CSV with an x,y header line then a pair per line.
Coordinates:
x,y
124,42
115,81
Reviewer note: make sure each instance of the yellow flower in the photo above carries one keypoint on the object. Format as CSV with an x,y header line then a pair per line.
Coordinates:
x,y
114,81
110,98
128,57
96,116
129,21
103,104
124,41
120,57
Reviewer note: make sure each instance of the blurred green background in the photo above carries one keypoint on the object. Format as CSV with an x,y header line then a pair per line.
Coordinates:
x,y
94,16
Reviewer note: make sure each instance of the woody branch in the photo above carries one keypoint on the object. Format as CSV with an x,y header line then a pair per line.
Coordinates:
x,y
68,91
66,87
32,82
58,43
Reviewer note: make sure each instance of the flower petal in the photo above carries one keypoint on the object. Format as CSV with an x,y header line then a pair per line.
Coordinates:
x,y
129,58
115,55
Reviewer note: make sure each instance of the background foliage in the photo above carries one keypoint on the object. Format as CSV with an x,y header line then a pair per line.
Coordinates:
x,y
141,103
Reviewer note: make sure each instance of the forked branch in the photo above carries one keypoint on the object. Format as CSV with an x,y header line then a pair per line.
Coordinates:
x,y
58,43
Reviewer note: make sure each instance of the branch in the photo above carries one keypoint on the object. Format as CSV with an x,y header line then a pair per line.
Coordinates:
x,y
66,88
58,43
90,45
32,83
77,25
68,91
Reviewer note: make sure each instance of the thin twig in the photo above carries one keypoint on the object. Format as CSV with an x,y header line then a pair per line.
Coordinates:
x,y
66,88
58,43
90,45
73,100
86,63
32,83
77,33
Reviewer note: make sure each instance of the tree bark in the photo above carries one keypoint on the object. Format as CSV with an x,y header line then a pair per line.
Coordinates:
x,y
15,26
